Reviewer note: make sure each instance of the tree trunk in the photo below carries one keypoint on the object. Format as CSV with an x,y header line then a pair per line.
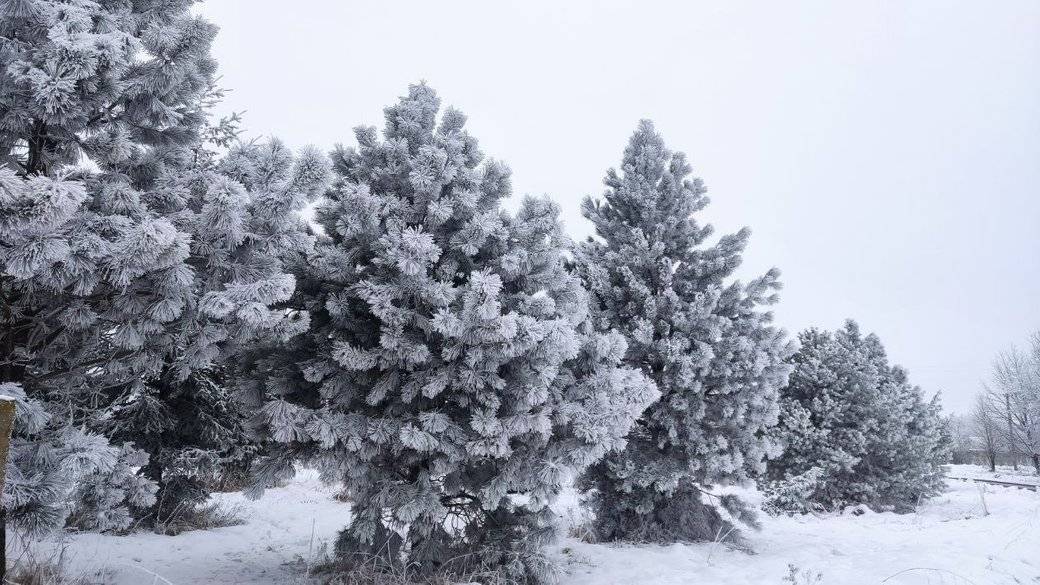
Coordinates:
x,y
39,147
992,461
1036,462
3,544
154,471
6,426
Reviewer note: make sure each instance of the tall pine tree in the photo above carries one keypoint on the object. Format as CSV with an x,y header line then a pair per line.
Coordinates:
x,y
703,338
448,378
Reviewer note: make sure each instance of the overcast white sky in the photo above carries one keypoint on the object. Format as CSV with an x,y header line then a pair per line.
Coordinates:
x,y
885,154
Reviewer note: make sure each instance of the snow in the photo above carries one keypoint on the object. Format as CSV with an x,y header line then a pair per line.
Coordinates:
x,y
1024,474
947,541
286,529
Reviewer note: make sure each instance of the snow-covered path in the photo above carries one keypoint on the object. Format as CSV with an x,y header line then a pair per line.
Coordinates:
x,y
947,542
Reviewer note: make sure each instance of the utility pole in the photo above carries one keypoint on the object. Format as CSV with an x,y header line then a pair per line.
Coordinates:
x,y
1011,431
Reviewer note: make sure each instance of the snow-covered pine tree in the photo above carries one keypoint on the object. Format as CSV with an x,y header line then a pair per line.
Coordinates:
x,y
118,84
52,356
242,215
855,430
448,378
126,280
704,338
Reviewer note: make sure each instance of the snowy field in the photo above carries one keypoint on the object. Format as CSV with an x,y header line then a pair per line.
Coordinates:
x,y
1024,474
948,541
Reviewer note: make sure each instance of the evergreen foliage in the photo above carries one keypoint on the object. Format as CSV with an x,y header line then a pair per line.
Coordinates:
x,y
449,377
105,80
129,279
119,87
241,214
52,464
855,430
702,337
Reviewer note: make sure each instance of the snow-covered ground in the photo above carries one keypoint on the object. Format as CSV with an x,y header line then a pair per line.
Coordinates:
x,y
284,530
1024,473
948,541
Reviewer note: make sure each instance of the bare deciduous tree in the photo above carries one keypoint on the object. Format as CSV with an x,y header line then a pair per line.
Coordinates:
x,y
1016,386
985,428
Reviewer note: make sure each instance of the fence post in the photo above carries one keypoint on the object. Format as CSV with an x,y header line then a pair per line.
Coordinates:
x,y
6,426
982,497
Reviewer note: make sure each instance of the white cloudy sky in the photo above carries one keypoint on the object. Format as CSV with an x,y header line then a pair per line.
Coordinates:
x,y
886,154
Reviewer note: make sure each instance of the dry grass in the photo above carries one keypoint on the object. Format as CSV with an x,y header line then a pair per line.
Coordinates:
x,y
374,570
370,575
215,515
797,576
579,524
30,568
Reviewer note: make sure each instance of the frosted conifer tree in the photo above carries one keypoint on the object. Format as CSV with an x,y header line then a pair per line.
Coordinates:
x,y
448,378
118,83
241,214
705,339
126,281
854,430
